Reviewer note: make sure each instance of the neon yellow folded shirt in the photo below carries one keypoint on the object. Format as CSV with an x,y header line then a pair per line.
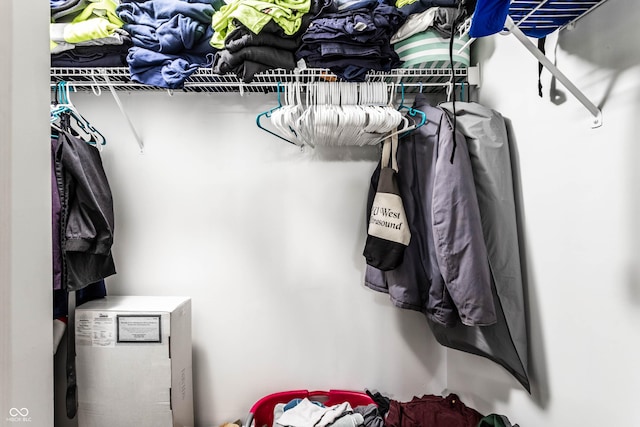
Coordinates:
x,y
96,21
95,28
254,14
400,3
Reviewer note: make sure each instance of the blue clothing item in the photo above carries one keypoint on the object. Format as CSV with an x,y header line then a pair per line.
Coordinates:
x,y
352,67
155,12
170,37
355,25
362,25
420,6
350,72
352,42
164,70
178,34
93,56
294,402
489,17
346,49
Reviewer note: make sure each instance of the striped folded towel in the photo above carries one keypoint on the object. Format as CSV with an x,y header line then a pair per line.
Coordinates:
x,y
428,49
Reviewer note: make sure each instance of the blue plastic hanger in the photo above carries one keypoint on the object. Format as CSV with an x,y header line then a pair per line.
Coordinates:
x,y
413,112
268,114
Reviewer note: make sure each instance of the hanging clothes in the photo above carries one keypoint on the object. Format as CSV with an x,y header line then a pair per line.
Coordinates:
x,y
87,220
60,293
482,160
444,273
506,342
85,234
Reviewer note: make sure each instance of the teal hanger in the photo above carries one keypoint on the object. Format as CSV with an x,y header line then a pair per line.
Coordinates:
x,y
268,114
413,112
63,105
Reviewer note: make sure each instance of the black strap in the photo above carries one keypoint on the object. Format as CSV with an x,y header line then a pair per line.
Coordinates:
x,y
72,395
453,99
456,22
541,43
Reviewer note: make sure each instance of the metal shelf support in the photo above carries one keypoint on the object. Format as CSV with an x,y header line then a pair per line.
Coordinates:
x,y
512,28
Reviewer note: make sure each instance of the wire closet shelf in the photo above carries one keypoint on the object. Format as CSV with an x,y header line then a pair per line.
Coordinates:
x,y
204,80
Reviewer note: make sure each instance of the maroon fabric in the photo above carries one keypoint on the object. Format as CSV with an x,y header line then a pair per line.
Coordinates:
x,y
432,411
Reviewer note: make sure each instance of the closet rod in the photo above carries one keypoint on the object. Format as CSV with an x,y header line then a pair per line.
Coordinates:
x,y
593,109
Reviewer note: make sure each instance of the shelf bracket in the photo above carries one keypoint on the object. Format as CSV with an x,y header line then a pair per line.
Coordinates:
x,y
512,28
122,110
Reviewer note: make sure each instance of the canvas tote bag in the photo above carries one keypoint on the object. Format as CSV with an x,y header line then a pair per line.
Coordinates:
x,y
388,233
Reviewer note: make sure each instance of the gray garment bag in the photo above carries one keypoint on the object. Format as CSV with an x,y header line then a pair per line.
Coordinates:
x,y
506,342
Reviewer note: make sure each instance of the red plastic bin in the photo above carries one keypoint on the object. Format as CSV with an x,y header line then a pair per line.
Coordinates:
x,y
261,413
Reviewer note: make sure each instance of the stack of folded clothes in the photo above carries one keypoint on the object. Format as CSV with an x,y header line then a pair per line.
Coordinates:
x,y
258,35
423,41
353,38
87,33
246,54
170,37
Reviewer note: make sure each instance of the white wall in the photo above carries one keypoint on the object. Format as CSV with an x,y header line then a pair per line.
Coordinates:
x,y
26,376
267,241
580,199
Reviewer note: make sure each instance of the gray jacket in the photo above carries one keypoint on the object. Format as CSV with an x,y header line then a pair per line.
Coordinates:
x,y
445,272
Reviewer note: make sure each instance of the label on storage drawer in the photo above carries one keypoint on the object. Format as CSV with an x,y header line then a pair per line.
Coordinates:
x,y
139,328
95,329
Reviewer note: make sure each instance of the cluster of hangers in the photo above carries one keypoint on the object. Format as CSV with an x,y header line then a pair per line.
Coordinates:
x,y
339,114
65,116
